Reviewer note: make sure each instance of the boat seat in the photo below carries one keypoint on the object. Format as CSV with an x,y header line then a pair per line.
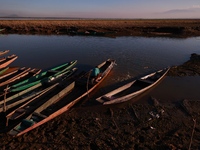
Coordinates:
x,y
27,123
106,98
18,113
20,110
39,115
146,81
16,130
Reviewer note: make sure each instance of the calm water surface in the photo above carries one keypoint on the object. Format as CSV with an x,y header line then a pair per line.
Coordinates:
x,y
135,56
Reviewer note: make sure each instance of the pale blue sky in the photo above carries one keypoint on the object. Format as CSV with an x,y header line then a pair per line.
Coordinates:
x,y
101,8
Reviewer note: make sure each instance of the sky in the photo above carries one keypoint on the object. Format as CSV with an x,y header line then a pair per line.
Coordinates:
x,y
143,9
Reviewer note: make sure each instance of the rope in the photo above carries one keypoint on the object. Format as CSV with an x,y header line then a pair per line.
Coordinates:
x,y
194,120
4,104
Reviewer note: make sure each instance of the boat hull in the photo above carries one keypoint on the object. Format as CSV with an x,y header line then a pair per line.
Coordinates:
x,y
80,91
4,62
29,93
133,88
43,77
4,52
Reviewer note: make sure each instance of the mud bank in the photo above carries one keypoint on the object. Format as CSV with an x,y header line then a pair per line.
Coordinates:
x,y
169,28
153,125
189,68
148,126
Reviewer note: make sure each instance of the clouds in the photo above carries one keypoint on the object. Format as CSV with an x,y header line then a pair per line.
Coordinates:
x,y
192,12
173,11
102,9
194,8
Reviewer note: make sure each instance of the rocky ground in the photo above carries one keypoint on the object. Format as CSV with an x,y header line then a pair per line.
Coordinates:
x,y
157,27
153,125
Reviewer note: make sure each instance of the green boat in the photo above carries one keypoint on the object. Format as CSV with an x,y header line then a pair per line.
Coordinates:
x,y
29,93
3,70
43,77
59,102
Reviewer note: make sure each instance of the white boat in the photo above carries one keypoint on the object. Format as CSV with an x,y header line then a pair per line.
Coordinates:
x,y
133,88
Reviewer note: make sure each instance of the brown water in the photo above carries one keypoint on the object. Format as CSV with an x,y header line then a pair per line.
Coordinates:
x,y
172,89
135,56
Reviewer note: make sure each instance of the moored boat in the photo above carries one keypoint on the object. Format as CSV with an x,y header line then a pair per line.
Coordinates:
x,y
3,70
8,71
32,108
16,76
44,76
4,52
133,88
4,62
27,94
31,104
21,73
84,84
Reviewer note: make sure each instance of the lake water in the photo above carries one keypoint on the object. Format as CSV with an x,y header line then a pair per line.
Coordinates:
x,y
135,56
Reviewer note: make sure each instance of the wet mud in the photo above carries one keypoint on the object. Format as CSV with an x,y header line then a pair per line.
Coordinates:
x,y
189,68
153,125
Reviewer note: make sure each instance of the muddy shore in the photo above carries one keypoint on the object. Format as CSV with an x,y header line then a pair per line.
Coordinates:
x,y
153,125
159,27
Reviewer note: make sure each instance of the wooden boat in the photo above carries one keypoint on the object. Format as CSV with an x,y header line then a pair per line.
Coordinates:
x,y
11,75
4,62
15,76
40,102
91,32
44,76
21,73
132,89
31,92
3,70
8,72
7,105
4,52
84,85
30,105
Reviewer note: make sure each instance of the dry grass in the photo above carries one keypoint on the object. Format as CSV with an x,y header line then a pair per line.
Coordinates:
x,y
188,27
104,23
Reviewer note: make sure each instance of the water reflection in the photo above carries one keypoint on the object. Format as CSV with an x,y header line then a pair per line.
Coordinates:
x,y
135,56
173,89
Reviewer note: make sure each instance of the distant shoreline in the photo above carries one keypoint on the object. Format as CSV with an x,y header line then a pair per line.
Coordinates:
x,y
79,18
104,27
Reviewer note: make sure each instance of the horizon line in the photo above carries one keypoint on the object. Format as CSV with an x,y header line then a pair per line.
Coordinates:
x,y
17,17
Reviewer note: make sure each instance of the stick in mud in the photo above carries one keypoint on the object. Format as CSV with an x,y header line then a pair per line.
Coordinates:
x,y
194,120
